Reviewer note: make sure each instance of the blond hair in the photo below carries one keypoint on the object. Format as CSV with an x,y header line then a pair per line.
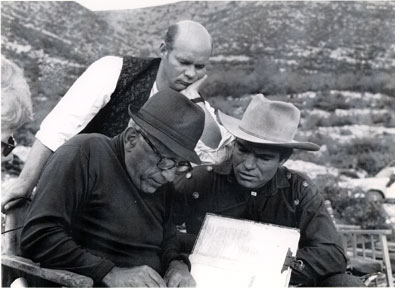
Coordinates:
x,y
16,103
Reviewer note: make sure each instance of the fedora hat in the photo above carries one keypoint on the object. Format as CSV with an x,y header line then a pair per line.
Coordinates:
x,y
268,122
174,120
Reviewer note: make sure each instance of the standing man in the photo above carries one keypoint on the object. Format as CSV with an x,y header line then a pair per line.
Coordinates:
x,y
103,206
99,99
256,186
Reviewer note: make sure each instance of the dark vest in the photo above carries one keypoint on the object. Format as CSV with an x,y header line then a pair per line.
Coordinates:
x,y
133,88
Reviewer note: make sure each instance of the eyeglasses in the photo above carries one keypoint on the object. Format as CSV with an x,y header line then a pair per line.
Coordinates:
x,y
165,163
7,148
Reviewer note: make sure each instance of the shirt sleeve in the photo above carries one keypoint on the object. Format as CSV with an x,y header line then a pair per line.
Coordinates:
x,y
320,246
215,156
60,194
89,93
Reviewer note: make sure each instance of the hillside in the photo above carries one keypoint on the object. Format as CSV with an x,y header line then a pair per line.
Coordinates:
x,y
55,41
309,33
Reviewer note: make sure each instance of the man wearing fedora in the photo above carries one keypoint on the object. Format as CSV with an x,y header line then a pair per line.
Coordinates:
x,y
102,205
255,185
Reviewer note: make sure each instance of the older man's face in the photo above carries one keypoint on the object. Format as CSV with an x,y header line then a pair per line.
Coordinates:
x,y
141,164
186,62
254,165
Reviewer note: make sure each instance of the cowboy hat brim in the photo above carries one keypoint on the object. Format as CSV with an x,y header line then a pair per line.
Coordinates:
x,y
232,125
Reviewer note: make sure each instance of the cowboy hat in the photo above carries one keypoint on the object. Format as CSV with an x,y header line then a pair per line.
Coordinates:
x,y
174,120
268,122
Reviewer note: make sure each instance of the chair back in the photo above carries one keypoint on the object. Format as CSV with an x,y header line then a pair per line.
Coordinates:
x,y
366,249
363,245
13,227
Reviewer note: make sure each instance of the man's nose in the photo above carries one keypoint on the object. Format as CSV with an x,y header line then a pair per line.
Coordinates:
x,y
169,174
250,161
190,71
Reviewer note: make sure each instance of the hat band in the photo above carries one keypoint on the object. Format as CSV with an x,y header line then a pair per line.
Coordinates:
x,y
269,138
174,134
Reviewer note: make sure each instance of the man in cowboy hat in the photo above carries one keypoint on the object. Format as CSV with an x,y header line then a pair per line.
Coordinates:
x,y
255,185
102,205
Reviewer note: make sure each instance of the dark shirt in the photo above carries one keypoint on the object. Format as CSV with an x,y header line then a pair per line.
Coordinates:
x,y
289,199
87,215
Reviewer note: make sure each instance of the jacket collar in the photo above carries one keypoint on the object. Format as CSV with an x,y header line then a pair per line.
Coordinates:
x,y
118,146
279,181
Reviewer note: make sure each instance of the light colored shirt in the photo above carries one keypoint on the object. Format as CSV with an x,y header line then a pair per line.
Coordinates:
x,y
90,93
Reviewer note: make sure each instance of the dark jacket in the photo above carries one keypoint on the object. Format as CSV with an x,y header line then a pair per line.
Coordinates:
x,y
87,215
289,199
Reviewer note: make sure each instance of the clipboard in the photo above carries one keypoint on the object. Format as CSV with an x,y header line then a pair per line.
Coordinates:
x,y
241,253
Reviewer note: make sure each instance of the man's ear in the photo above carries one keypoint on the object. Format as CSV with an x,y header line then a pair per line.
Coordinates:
x,y
130,139
163,49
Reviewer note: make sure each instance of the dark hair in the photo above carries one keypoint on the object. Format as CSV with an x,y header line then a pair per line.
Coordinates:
x,y
285,152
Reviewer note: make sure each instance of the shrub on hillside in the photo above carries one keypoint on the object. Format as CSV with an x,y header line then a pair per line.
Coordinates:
x,y
268,77
359,211
234,83
320,157
369,154
386,119
350,208
328,102
328,185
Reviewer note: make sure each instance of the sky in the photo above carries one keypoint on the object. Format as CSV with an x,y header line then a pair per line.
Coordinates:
x,y
101,5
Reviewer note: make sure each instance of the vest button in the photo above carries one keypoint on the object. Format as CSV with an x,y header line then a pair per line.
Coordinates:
x,y
195,195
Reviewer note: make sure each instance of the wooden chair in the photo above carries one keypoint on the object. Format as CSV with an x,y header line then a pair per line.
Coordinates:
x,y
14,266
366,249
